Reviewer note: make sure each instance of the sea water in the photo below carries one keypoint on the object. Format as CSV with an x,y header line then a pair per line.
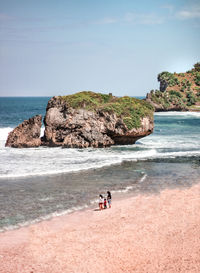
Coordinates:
x,y
37,183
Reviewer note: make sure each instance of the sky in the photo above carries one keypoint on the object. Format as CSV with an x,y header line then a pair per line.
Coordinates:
x,y
58,47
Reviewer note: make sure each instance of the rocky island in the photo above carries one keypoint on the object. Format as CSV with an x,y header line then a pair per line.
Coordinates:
x,y
87,119
178,91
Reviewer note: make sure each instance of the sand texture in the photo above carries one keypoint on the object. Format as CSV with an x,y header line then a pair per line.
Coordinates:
x,y
146,233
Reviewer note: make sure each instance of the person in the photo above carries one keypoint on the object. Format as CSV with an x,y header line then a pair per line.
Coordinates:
x,y
109,198
105,203
101,201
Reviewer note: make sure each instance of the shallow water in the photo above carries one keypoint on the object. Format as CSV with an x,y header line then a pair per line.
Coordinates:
x,y
24,200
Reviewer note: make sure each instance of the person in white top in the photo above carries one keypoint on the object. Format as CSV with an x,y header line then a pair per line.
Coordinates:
x,y
101,201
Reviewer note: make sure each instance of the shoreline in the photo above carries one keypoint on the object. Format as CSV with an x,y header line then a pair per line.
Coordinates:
x,y
122,194
143,233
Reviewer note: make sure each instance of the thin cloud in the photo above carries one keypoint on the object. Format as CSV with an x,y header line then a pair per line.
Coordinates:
x,y
189,13
143,19
131,18
106,21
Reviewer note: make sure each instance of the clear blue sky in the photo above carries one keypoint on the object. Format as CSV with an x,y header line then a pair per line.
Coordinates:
x,y
57,47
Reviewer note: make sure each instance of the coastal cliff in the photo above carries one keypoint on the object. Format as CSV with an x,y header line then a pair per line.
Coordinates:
x,y
178,91
88,119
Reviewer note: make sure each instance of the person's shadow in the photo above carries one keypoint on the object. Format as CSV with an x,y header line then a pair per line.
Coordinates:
x,y
98,209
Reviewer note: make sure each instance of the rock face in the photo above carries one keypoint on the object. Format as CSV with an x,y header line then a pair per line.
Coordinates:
x,y
81,128
27,134
163,83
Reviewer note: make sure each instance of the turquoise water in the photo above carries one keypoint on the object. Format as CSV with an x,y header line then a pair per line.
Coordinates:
x,y
40,182
14,110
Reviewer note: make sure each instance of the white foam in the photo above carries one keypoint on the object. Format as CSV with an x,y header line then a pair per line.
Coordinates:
x,y
189,142
143,178
42,131
129,188
4,133
51,161
174,113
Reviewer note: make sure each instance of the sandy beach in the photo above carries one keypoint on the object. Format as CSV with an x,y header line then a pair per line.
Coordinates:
x,y
145,233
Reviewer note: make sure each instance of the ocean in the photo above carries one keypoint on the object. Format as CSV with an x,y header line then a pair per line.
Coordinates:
x,y
38,183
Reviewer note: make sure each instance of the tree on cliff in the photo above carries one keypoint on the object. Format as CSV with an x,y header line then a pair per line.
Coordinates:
x,y
197,67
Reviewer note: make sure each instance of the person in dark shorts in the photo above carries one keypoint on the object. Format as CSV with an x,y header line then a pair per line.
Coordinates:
x,y
109,198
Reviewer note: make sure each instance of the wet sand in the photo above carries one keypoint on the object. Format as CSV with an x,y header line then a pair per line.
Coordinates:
x,y
145,233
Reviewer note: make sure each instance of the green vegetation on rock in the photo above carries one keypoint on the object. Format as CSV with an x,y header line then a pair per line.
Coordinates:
x,y
190,98
198,93
165,99
175,93
197,78
131,110
87,100
168,77
178,90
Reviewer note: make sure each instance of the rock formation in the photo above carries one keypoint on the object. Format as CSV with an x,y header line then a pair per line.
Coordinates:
x,y
80,127
27,134
178,91
86,119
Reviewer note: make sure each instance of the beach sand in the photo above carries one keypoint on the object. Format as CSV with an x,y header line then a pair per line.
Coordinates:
x,y
145,233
